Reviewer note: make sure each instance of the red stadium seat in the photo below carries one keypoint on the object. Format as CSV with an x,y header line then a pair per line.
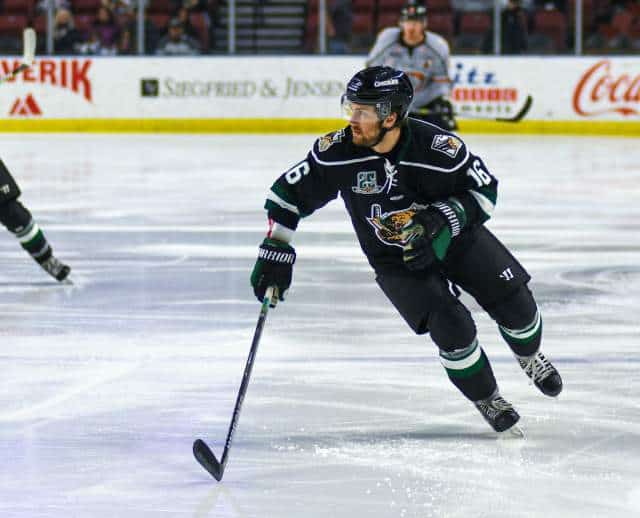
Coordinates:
x,y
160,7
24,7
475,23
12,24
40,24
365,6
199,23
362,23
441,23
160,20
553,24
388,20
85,6
84,23
622,22
391,5
437,6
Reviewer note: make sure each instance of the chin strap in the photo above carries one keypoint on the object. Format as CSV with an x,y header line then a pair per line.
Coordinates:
x,y
383,132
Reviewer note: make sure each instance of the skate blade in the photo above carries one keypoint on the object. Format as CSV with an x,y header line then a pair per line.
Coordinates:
x,y
515,432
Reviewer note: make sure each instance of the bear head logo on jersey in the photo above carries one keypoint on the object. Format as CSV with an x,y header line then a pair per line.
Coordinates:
x,y
390,227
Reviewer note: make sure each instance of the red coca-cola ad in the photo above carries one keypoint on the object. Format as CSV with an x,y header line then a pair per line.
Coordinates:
x,y
607,88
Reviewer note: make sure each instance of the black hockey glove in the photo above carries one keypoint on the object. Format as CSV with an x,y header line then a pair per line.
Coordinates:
x,y
429,233
274,267
439,112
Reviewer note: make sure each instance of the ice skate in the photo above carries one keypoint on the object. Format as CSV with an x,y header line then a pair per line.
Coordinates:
x,y
498,413
56,269
543,374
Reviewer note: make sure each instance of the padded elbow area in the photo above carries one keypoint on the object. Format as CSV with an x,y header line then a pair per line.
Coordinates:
x,y
516,311
14,216
452,327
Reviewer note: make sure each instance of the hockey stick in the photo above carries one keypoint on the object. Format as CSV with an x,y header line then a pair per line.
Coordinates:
x,y
28,54
201,451
522,112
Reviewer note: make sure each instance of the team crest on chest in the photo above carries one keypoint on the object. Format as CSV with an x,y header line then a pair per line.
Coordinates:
x,y
367,183
390,226
329,140
446,144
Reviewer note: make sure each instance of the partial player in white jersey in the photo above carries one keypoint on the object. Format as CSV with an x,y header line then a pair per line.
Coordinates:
x,y
424,56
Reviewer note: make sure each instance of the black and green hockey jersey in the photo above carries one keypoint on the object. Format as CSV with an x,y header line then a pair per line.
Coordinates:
x,y
381,192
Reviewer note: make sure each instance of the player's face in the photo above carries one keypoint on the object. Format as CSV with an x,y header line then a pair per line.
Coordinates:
x,y
364,122
412,31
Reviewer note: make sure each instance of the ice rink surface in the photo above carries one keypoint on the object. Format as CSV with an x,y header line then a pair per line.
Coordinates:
x,y
105,384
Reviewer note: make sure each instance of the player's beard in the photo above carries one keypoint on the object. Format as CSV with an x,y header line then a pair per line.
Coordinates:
x,y
361,140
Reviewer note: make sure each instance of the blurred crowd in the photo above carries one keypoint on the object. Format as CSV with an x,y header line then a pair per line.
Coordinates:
x,y
527,26
112,29
190,27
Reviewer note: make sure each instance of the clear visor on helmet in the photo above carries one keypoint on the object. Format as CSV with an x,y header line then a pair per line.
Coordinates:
x,y
358,112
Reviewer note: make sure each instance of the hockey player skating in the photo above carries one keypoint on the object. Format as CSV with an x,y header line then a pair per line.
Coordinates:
x,y
19,222
424,56
418,198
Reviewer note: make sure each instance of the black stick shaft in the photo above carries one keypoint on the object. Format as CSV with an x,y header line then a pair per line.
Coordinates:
x,y
247,373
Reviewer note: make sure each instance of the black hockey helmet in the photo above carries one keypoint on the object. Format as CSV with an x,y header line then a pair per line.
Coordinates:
x,y
414,10
386,89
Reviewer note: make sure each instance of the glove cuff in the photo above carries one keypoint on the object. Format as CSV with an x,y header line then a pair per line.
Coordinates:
x,y
276,251
454,213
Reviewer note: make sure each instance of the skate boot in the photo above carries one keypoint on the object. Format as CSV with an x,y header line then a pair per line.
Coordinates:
x,y
497,412
543,374
55,268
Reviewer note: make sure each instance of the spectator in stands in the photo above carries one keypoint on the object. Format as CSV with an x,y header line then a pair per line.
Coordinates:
x,y
514,28
66,37
187,27
128,23
339,26
176,42
106,32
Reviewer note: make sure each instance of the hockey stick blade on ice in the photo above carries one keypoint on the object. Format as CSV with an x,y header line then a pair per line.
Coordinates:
x,y
521,114
201,451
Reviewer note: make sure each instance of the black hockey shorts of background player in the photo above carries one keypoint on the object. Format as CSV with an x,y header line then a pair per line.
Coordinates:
x,y
9,189
477,262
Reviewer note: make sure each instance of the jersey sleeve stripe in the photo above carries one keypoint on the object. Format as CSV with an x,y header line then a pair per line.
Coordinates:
x,y
485,203
440,169
272,196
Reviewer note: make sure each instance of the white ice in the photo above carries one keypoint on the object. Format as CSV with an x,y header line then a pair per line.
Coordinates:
x,y
105,384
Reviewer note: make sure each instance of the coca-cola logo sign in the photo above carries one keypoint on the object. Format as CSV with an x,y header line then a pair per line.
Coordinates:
x,y
602,90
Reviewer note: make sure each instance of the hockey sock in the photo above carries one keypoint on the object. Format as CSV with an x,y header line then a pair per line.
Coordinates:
x,y
470,371
526,340
18,220
33,241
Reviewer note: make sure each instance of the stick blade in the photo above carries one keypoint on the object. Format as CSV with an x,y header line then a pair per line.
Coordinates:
x,y
207,459
521,114
29,42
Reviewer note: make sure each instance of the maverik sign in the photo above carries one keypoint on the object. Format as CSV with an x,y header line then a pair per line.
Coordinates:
x,y
31,87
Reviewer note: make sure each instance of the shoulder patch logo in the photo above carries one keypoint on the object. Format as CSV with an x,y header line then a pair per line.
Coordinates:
x,y
329,140
446,144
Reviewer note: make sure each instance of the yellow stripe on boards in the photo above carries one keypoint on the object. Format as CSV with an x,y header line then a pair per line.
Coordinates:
x,y
317,126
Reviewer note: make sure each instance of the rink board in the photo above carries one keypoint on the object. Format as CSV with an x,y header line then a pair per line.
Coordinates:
x,y
301,94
